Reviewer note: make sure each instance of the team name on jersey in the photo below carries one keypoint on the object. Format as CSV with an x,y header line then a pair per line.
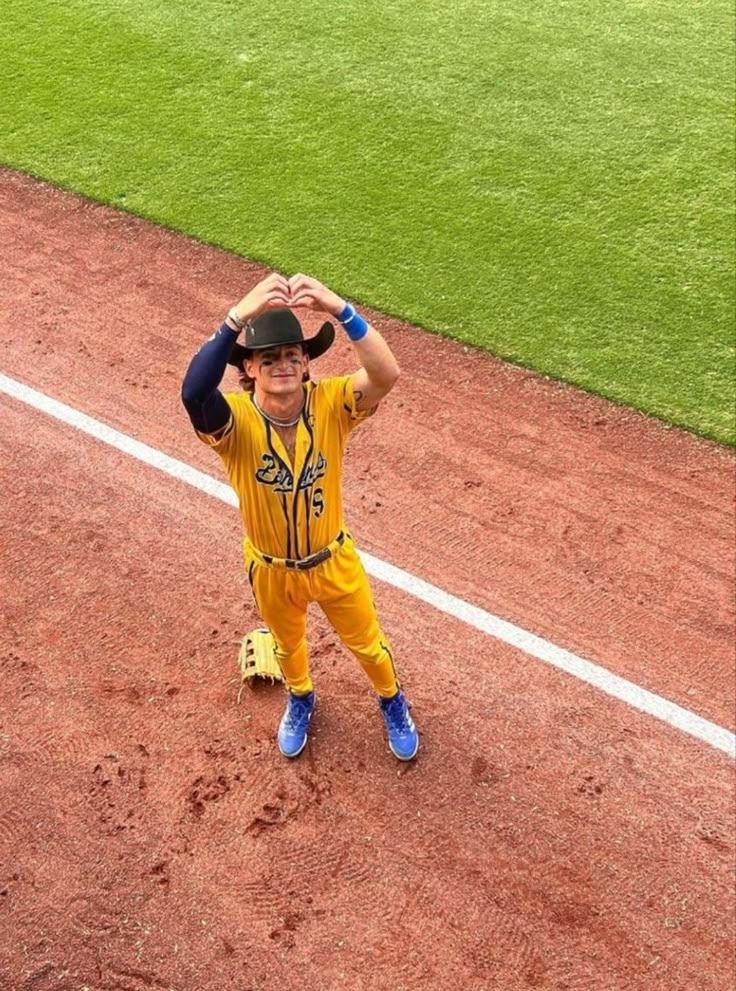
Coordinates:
x,y
278,475
313,472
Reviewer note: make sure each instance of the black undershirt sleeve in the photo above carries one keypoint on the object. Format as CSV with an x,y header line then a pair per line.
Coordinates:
x,y
207,407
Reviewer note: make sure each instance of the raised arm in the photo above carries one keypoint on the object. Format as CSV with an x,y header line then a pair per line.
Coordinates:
x,y
379,369
207,408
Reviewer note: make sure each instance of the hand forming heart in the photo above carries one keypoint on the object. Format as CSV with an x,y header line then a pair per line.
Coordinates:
x,y
277,290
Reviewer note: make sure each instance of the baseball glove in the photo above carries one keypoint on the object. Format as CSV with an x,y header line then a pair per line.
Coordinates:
x,y
257,658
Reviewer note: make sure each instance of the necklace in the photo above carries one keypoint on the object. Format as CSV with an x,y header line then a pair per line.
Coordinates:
x,y
275,420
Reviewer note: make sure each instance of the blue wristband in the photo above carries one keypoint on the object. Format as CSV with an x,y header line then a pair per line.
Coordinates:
x,y
355,326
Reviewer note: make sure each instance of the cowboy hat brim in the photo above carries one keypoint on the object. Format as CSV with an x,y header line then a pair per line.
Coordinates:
x,y
313,346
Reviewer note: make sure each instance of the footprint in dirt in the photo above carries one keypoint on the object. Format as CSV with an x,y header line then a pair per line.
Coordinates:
x,y
161,875
312,790
484,773
590,787
118,792
205,790
274,813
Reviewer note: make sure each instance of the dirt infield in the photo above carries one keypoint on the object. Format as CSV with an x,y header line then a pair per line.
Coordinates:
x,y
151,837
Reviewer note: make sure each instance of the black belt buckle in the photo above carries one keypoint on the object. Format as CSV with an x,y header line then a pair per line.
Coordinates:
x,y
307,563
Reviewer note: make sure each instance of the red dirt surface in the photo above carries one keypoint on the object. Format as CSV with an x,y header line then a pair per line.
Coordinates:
x,y
151,836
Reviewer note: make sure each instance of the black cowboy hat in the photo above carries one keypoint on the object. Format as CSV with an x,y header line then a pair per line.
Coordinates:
x,y
277,327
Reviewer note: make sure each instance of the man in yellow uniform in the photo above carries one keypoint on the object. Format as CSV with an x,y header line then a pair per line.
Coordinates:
x,y
282,442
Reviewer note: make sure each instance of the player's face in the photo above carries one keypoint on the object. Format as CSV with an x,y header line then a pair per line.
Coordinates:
x,y
278,371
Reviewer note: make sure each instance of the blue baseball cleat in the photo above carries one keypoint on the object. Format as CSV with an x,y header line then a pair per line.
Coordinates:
x,y
294,726
403,739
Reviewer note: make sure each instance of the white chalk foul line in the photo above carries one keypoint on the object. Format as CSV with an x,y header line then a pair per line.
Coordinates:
x,y
480,619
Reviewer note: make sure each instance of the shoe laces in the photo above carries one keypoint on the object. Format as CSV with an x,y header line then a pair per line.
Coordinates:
x,y
397,712
298,711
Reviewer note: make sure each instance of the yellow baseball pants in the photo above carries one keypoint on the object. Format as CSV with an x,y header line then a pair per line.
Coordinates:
x,y
340,586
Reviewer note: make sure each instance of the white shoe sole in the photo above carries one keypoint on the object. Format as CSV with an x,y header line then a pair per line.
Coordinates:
x,y
401,757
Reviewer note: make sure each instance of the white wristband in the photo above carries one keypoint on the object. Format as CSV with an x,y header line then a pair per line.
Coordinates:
x,y
234,318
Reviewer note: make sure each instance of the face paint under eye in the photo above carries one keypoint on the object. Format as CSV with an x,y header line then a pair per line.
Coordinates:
x,y
295,356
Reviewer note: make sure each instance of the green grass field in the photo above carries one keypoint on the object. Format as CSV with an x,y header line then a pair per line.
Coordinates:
x,y
552,181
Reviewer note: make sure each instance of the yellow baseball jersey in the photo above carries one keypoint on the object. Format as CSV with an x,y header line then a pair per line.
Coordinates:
x,y
290,510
